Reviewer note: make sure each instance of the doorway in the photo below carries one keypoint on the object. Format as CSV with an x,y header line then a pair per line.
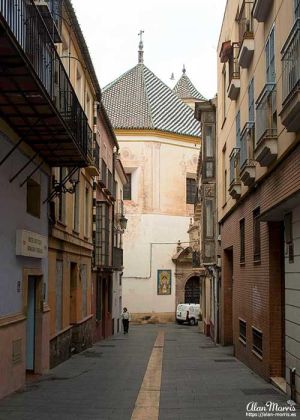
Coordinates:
x,y
227,297
192,290
31,323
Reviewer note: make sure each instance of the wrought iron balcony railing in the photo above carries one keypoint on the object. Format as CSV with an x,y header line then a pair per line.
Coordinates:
x,y
234,160
51,96
245,21
96,155
266,115
291,62
247,144
103,173
233,63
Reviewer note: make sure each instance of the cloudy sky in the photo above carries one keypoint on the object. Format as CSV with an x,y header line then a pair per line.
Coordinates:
x,y
177,32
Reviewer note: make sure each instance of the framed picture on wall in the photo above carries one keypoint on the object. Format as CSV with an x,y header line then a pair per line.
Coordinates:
x,y
164,282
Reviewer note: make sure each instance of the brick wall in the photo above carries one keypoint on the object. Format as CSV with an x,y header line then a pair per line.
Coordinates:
x,y
257,287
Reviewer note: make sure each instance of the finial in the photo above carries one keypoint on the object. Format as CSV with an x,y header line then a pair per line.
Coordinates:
x,y
183,69
141,47
172,76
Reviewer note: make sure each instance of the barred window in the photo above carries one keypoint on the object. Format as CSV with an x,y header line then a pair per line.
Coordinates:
x,y
190,190
256,234
127,188
243,330
102,237
242,241
257,341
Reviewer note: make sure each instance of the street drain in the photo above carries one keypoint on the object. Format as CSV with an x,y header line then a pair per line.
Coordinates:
x,y
225,360
91,354
259,391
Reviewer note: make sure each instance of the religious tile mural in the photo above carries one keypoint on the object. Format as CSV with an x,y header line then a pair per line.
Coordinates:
x,y
164,279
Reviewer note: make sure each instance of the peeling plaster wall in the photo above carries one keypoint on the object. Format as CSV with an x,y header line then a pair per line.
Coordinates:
x,y
157,213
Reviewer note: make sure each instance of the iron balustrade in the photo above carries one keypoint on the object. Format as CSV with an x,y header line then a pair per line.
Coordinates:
x,y
234,160
110,181
234,67
96,155
266,115
291,62
103,172
245,21
247,144
31,34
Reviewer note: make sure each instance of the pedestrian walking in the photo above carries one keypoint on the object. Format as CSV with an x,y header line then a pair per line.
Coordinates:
x,y
125,319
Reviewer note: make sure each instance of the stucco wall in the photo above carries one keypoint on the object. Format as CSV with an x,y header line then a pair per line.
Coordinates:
x,y
14,216
157,214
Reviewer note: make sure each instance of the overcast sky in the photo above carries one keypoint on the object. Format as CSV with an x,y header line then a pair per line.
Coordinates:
x,y
177,32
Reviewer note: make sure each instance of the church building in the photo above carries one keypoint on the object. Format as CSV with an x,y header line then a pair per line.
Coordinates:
x,y
159,142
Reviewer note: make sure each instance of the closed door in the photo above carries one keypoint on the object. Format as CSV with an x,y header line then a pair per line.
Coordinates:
x,y
30,324
192,290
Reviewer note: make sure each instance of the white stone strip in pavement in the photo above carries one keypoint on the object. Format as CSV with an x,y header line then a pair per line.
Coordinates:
x,y
147,403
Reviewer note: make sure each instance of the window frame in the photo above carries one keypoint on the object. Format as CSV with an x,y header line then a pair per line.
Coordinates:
x,y
270,56
242,337
256,235
257,334
242,241
33,198
127,188
191,190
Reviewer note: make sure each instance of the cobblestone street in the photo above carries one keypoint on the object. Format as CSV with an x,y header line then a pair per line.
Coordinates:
x,y
198,381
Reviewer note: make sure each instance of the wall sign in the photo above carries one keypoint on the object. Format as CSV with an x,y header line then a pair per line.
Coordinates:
x,y
164,282
31,244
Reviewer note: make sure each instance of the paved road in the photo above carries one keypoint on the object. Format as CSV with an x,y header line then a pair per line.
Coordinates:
x,y
197,381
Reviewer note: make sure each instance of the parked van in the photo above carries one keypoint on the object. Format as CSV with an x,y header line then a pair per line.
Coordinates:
x,y
188,312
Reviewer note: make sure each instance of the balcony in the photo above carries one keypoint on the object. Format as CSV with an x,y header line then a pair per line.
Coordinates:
x,y
266,147
36,96
94,168
103,177
261,9
291,80
110,185
246,36
118,258
235,182
234,73
247,163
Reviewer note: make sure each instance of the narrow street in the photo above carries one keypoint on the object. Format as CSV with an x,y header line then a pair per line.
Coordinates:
x,y
198,380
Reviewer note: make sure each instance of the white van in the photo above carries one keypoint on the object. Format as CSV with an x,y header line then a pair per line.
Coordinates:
x,y
188,312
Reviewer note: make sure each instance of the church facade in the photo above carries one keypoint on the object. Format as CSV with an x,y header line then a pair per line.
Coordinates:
x,y
159,145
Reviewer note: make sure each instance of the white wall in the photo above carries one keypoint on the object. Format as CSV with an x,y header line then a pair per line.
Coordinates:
x,y
292,308
157,213
144,254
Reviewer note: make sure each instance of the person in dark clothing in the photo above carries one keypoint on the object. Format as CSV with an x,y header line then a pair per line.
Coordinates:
x,y
125,320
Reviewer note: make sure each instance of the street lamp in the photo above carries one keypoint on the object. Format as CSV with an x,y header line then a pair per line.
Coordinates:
x,y
72,178
123,222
